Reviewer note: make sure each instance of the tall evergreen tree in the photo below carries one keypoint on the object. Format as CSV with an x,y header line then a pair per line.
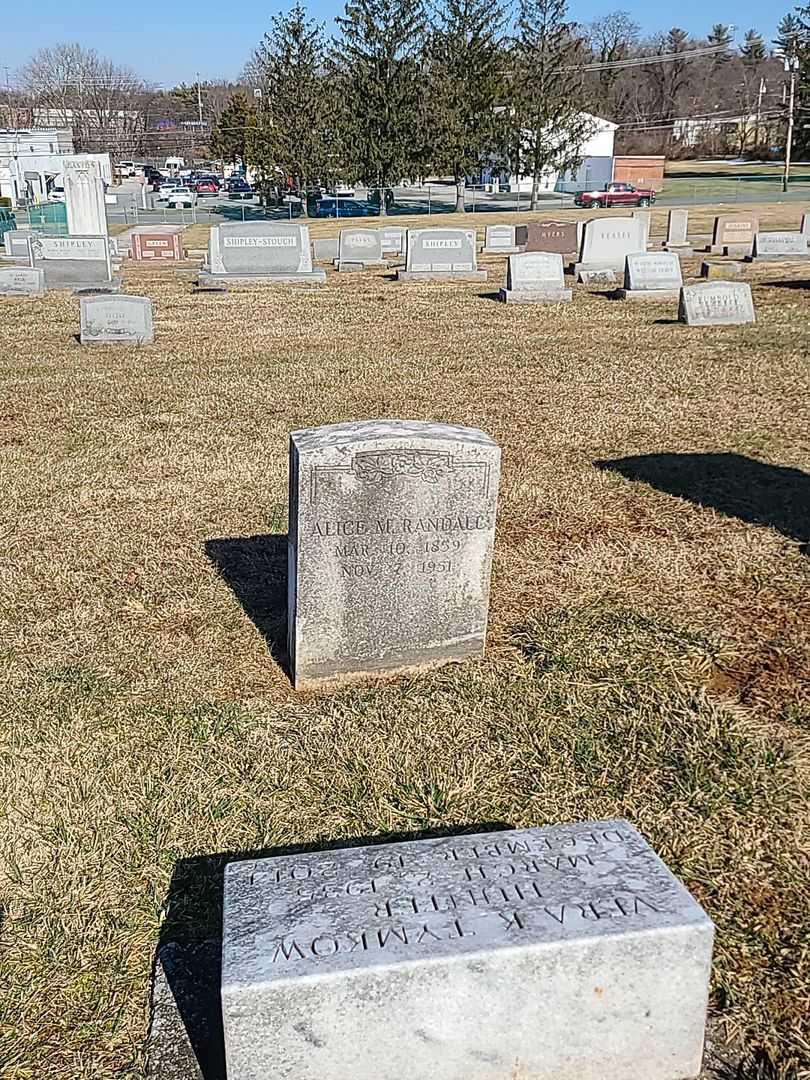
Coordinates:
x,y
720,37
291,141
793,41
378,73
753,47
464,88
231,135
549,126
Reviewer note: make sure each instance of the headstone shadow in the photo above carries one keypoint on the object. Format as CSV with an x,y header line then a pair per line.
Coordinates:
x,y
186,1040
737,486
255,569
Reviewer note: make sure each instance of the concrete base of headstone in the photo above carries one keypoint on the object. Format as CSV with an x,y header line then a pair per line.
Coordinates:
x,y
648,294
684,250
535,296
112,288
501,250
720,271
561,953
595,275
315,277
731,251
355,267
776,258
441,275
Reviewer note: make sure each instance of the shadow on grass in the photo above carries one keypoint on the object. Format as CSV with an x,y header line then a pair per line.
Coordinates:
x,y
255,569
738,486
803,284
186,1036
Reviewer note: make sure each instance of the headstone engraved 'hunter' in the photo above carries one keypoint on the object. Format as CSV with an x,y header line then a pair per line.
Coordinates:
x,y
562,953
259,251
21,281
770,246
390,548
716,303
606,243
535,277
653,275
552,236
678,232
84,197
156,247
117,320
441,254
500,240
73,262
359,248
733,234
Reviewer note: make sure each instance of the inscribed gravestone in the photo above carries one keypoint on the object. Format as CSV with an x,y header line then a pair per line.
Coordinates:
x,y
391,533
441,253
72,261
652,275
535,277
257,250
21,281
716,303
553,236
500,239
156,247
16,244
561,953
393,239
678,230
360,247
733,234
84,197
644,217
606,243
779,245
117,320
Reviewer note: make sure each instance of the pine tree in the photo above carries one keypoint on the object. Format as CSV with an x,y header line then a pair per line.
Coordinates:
x,y
550,128
753,47
464,87
292,136
231,134
377,73
721,37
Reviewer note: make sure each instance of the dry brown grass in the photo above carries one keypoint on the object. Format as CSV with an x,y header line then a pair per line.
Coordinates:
x,y
648,655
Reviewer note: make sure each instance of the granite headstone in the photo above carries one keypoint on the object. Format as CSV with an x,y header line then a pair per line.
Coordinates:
x,y
534,277
21,281
733,234
652,275
117,320
259,251
551,236
84,196
156,247
716,303
73,262
500,240
678,232
770,246
606,243
359,248
441,254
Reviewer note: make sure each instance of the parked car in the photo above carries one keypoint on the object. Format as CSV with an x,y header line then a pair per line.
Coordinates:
x,y
239,189
342,191
166,189
344,208
156,181
181,197
205,187
615,195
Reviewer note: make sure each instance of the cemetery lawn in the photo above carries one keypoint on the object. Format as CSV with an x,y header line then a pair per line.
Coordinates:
x,y
648,653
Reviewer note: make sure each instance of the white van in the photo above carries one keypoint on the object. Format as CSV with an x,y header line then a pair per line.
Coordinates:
x,y
174,164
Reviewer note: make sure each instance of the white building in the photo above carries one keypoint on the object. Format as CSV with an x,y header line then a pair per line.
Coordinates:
x,y
31,162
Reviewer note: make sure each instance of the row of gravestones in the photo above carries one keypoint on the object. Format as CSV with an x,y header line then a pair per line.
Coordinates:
x,y
567,951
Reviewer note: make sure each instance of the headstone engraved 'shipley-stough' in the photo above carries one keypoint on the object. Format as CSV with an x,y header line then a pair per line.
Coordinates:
x,y
390,548
561,953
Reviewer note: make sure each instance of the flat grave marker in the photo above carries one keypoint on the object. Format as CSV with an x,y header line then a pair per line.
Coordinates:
x,y
390,547
156,247
116,320
562,953
441,254
716,303
535,277
652,275
21,281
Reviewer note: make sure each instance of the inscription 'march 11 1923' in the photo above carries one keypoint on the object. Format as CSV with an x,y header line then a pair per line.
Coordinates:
x,y
390,548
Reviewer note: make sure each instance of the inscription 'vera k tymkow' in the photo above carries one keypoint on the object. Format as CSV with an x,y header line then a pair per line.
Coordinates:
x,y
466,957
391,533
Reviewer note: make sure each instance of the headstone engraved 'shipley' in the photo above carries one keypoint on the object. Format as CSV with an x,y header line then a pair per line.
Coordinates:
x,y
73,262
535,277
441,254
390,547
560,953
257,251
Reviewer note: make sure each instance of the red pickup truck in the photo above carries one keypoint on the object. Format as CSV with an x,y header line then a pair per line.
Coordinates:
x,y
615,195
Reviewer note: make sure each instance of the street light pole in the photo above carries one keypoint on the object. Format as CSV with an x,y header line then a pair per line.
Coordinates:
x,y
791,65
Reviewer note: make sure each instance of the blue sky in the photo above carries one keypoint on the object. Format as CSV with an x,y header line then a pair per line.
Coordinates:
x,y
166,46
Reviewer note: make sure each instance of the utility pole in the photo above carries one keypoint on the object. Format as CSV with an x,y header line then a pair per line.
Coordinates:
x,y
759,112
199,99
791,65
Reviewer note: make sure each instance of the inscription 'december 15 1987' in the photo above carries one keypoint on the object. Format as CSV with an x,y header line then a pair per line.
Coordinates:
x,y
391,531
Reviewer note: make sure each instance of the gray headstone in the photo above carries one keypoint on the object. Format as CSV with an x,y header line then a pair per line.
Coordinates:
x,y
393,239
16,244
360,246
716,303
441,253
734,233
606,243
261,250
780,245
562,953
678,228
645,219
654,275
500,238
21,281
117,320
805,226
326,250
72,261
535,277
391,531
84,196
